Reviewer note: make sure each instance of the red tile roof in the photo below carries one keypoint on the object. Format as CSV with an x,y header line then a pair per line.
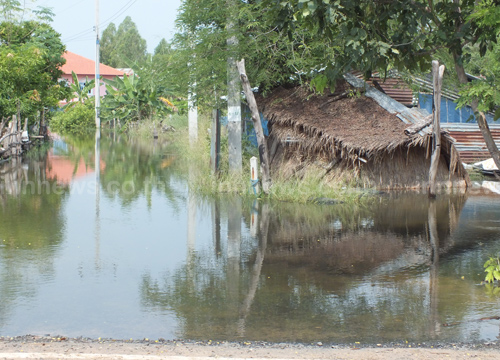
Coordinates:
x,y
86,67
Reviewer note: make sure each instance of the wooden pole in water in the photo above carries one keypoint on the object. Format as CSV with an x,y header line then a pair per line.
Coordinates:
x,y
437,74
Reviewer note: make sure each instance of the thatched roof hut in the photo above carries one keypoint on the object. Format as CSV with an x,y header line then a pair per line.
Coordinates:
x,y
356,134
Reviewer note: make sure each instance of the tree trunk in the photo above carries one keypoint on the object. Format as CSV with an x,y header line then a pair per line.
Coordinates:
x,y
480,117
261,140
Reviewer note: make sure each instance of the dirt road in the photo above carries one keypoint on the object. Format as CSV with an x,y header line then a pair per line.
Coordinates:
x,y
49,348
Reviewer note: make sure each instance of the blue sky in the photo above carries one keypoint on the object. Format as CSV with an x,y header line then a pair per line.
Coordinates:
x,y
75,20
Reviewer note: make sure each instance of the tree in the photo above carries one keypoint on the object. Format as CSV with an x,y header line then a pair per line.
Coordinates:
x,y
107,45
123,47
275,55
134,98
30,65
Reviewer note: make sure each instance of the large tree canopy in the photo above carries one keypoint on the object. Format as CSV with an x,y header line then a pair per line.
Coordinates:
x,y
123,47
274,54
319,40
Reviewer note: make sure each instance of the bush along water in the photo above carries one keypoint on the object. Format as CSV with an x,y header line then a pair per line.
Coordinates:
x,y
76,118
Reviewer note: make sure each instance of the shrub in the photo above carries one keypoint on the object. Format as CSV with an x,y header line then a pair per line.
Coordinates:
x,y
74,119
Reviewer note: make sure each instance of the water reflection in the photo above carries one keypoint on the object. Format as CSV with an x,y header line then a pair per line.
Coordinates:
x,y
124,249
31,230
338,274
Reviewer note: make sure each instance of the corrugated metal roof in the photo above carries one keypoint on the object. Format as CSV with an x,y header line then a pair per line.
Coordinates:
x,y
392,85
469,141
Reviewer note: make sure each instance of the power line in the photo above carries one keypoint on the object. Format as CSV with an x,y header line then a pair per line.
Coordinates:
x,y
77,36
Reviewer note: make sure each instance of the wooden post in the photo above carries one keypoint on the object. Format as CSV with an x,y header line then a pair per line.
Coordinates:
x,y
13,139
254,175
437,74
215,142
261,140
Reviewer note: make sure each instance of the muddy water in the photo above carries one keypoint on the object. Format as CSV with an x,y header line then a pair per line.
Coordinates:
x,y
108,241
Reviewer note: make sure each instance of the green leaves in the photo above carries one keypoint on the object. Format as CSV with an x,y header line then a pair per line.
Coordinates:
x,y
492,269
133,98
77,118
123,47
30,61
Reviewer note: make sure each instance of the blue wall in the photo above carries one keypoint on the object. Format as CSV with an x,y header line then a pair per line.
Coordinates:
x,y
246,117
449,111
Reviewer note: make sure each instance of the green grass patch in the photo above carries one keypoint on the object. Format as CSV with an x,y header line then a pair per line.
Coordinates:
x,y
193,161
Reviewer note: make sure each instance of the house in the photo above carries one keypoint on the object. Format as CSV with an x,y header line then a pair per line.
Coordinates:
x,y
459,122
358,134
84,68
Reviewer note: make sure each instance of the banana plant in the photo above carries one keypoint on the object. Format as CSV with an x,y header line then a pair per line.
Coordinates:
x,y
131,99
81,93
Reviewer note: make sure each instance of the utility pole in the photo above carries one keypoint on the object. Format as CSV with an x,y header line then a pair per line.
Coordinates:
x,y
192,114
234,90
97,76
437,75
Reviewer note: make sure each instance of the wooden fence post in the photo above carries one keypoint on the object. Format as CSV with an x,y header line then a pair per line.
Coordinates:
x,y
215,142
437,74
261,140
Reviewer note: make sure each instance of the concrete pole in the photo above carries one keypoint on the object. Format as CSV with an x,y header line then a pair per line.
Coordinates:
x,y
254,175
233,96
97,75
192,115
437,73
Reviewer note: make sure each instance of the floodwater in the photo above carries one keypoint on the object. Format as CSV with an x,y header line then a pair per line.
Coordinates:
x,y
104,239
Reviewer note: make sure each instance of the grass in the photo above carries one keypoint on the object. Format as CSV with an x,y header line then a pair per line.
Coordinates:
x,y
193,161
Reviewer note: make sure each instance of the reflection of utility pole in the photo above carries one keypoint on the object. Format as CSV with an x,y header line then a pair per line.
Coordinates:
x,y
97,163
434,271
256,271
191,229
233,251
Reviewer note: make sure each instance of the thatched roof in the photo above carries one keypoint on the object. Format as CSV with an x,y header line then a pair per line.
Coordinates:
x,y
355,124
354,121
